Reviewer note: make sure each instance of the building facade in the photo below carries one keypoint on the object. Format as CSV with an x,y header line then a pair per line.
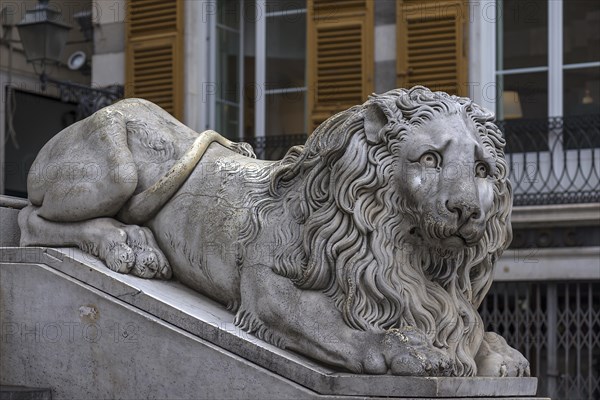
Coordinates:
x,y
268,72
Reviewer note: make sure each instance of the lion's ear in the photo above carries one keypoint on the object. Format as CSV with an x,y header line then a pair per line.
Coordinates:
x,y
375,120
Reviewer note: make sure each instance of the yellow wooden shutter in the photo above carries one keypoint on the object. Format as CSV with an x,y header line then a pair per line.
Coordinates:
x,y
339,56
432,46
155,53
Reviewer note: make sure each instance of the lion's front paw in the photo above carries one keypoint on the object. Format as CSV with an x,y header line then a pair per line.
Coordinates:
x,y
133,249
496,358
408,352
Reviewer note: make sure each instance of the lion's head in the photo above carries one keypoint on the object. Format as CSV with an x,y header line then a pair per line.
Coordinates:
x,y
400,209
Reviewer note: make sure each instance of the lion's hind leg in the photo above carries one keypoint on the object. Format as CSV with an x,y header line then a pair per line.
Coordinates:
x,y
85,171
124,248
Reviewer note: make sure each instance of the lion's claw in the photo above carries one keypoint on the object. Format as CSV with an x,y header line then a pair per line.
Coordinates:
x,y
497,358
120,258
409,352
133,249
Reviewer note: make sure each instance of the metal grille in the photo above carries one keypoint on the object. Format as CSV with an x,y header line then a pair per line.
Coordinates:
x,y
557,327
555,160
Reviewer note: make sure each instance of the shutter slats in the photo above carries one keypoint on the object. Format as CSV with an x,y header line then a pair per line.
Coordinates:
x,y
163,84
165,65
337,70
150,28
427,56
143,7
326,61
149,12
343,77
150,18
150,77
345,52
154,56
417,34
336,96
154,53
158,58
443,54
336,47
330,34
432,64
340,56
331,8
422,40
430,45
141,3
431,76
424,23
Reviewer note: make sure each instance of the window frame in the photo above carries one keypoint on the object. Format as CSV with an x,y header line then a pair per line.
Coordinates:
x,y
555,68
542,170
260,67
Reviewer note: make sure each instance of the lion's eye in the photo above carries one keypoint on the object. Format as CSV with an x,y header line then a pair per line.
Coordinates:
x,y
481,170
430,160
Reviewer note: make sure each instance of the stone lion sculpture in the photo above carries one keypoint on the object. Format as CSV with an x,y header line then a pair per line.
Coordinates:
x,y
368,248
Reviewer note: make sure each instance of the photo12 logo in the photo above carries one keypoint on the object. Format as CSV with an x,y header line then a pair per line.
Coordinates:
x,y
67,332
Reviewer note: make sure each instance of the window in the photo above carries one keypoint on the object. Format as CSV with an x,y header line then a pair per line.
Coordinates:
x,y
548,58
548,97
548,65
258,60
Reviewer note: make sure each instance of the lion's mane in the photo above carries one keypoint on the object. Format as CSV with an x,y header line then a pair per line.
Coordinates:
x,y
345,237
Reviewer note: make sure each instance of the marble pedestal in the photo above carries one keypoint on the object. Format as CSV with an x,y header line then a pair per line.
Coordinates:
x,y
71,324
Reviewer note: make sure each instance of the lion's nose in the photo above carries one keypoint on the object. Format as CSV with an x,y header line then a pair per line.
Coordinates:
x,y
463,210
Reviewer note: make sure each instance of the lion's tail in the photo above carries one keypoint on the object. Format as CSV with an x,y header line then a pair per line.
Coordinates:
x,y
145,205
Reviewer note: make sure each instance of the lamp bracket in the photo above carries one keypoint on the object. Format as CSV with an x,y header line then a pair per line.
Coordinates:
x,y
88,99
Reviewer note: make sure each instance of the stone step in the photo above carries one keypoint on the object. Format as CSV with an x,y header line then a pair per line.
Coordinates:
x,y
8,392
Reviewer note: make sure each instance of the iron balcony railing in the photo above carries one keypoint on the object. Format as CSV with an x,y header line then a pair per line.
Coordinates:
x,y
552,161
274,147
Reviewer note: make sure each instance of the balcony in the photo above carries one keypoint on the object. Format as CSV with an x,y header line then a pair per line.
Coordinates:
x,y
555,160
552,161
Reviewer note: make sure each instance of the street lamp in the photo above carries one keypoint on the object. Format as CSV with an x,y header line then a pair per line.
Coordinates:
x,y
44,36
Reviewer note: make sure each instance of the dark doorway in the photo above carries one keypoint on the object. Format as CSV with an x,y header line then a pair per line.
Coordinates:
x,y
36,119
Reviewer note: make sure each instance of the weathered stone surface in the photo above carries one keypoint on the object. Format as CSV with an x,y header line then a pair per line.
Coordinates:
x,y
368,249
24,393
10,234
119,334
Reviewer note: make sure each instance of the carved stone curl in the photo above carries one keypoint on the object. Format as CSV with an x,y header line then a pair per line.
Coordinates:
x,y
368,248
